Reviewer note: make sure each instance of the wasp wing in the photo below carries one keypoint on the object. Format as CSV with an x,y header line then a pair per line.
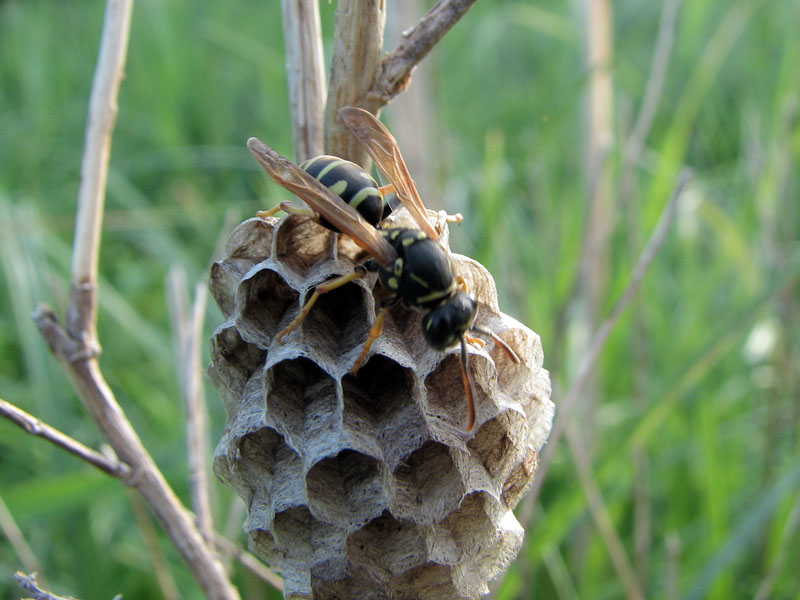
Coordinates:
x,y
382,147
343,216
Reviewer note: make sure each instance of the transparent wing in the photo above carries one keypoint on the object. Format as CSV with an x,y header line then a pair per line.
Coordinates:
x,y
382,147
343,216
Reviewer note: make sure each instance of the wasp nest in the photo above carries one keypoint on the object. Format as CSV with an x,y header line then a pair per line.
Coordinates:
x,y
368,486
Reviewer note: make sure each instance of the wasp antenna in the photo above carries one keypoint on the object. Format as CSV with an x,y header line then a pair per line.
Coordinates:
x,y
467,378
499,341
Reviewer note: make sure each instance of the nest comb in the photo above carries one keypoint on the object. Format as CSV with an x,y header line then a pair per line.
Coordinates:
x,y
368,486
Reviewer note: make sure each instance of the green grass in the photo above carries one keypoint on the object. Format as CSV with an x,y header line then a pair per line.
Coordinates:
x,y
714,415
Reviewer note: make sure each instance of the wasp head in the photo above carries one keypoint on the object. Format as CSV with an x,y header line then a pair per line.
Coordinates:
x,y
444,325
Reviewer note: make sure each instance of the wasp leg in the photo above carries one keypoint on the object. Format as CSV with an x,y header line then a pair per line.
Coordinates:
x,y
385,190
498,340
318,291
374,334
290,208
442,217
475,341
468,386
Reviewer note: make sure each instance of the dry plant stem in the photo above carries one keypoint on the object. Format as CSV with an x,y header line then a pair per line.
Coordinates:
x,y
355,65
94,170
601,516
36,427
600,338
99,400
197,418
76,347
396,69
30,586
305,67
10,529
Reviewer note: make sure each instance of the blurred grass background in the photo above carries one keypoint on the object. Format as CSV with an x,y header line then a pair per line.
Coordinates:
x,y
692,425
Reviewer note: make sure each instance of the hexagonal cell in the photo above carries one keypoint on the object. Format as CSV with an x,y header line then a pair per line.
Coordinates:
x,y
262,302
301,399
488,536
387,396
234,360
387,546
291,530
222,282
447,397
520,477
300,243
252,239
346,489
338,320
427,485
499,442
424,582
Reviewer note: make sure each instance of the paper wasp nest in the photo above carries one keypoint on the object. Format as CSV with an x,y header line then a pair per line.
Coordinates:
x,y
368,486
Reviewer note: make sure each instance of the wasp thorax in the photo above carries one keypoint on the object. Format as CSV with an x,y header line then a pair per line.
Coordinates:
x,y
369,486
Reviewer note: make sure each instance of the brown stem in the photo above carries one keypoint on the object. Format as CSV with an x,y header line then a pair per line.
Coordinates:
x,y
395,72
305,70
356,61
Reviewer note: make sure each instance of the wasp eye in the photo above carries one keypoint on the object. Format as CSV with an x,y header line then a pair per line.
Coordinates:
x,y
444,325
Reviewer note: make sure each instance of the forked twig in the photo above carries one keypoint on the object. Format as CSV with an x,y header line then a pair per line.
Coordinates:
x,y
305,68
396,67
34,426
76,347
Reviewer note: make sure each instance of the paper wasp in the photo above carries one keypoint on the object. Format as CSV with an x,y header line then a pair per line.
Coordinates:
x,y
411,262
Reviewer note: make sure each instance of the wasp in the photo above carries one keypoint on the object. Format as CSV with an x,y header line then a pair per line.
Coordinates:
x,y
412,264
351,183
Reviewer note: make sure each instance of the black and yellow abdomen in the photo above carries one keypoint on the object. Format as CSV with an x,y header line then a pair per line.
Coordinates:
x,y
352,184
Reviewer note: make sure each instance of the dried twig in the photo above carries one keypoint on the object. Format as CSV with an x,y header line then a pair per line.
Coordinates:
x,y
30,586
76,347
36,427
197,417
305,69
395,71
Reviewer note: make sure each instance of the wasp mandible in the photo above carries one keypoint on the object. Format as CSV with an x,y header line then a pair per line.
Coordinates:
x,y
412,264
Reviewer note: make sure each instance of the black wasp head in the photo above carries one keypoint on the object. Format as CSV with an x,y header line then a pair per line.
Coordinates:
x,y
444,325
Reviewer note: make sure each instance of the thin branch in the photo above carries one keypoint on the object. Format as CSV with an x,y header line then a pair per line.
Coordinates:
x,y
76,347
10,529
29,585
94,170
602,518
305,67
34,426
197,418
395,72
99,400
600,338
